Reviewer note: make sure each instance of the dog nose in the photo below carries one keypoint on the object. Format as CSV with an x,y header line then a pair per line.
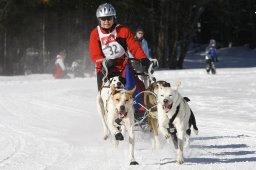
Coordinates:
x,y
122,107
118,84
165,101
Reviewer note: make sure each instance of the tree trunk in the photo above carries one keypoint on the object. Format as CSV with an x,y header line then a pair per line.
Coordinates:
x,y
183,51
163,47
161,35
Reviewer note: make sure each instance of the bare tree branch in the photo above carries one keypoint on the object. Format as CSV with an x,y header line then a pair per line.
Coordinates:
x,y
3,7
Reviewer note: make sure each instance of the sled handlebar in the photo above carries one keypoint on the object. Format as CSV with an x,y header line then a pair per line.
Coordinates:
x,y
149,73
103,61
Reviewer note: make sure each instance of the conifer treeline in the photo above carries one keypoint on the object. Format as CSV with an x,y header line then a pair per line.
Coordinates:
x,y
42,28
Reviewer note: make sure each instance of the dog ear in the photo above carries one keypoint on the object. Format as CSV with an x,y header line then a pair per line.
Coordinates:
x,y
151,87
177,84
113,89
165,84
130,92
156,89
122,80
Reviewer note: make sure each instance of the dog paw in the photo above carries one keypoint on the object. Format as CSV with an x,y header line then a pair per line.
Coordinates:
x,y
134,163
180,159
119,136
105,137
180,162
106,133
195,131
188,132
156,143
167,136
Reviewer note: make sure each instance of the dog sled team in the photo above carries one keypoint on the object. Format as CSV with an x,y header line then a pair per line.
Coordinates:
x,y
120,92
174,116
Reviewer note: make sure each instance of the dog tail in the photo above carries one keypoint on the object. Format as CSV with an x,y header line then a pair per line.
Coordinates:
x,y
192,121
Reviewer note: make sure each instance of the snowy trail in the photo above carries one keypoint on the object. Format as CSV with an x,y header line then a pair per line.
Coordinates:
x,y
49,124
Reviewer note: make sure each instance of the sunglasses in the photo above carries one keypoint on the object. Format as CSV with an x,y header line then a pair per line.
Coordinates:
x,y
106,18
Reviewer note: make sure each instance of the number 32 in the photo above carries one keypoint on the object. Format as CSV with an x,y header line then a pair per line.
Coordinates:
x,y
113,49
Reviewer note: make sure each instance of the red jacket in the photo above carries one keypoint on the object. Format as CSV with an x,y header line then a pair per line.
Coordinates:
x,y
124,37
59,68
58,72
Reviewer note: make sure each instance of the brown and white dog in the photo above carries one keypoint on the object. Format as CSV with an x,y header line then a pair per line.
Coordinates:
x,y
174,116
115,106
104,95
150,102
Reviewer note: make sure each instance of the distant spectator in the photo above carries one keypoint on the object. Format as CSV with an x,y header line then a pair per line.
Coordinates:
x,y
60,69
77,69
211,57
139,36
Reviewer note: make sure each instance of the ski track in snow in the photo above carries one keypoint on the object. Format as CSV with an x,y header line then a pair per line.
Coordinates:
x,y
49,124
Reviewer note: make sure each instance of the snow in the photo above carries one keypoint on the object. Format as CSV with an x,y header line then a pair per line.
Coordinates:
x,y
49,124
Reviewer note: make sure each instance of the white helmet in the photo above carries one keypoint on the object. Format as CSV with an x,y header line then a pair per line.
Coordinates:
x,y
105,10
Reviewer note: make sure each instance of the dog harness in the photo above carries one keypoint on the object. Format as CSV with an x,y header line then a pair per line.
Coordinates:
x,y
172,129
175,114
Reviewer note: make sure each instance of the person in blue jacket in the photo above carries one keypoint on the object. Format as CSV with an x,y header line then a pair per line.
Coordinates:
x,y
139,36
211,57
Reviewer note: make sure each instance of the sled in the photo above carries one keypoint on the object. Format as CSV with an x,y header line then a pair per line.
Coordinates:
x,y
142,81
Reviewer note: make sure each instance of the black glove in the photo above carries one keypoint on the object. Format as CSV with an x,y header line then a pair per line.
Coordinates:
x,y
145,62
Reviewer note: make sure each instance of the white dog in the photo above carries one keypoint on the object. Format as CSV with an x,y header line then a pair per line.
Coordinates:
x,y
104,95
174,117
115,106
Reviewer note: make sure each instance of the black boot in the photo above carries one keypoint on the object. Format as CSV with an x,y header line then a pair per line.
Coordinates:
x,y
119,136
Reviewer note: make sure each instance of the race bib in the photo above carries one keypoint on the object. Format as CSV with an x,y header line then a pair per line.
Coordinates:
x,y
110,47
113,50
